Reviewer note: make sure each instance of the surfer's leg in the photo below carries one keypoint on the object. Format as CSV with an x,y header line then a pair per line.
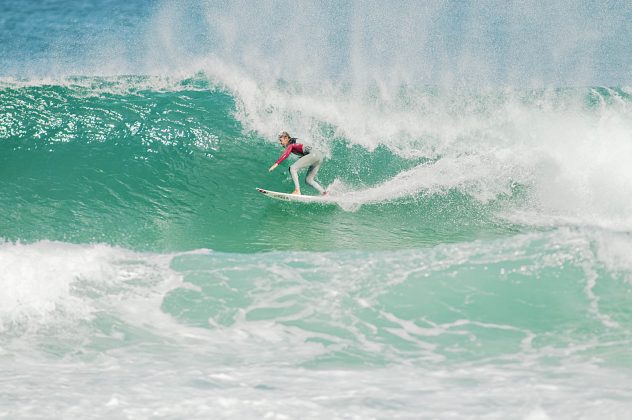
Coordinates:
x,y
312,171
309,179
294,175
295,167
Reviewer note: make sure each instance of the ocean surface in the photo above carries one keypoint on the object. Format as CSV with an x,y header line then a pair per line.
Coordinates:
x,y
476,263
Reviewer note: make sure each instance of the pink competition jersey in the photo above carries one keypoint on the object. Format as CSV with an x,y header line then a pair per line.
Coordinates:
x,y
295,148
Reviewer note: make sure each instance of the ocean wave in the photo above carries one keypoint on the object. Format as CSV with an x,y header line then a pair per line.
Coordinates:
x,y
547,293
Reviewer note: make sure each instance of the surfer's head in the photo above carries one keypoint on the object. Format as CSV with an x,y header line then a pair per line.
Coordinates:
x,y
285,139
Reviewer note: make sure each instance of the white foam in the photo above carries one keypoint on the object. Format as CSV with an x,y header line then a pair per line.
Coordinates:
x,y
50,282
37,279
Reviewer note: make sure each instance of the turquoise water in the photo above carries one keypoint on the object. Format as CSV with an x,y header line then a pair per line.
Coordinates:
x,y
476,263
172,171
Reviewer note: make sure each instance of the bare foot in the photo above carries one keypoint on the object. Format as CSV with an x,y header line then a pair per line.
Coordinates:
x,y
296,192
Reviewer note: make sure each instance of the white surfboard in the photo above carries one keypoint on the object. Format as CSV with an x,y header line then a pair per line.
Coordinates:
x,y
295,197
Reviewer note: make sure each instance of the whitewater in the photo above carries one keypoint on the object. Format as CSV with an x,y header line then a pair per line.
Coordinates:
x,y
476,263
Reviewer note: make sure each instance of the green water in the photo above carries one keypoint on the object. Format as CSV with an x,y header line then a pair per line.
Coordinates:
x,y
134,245
168,171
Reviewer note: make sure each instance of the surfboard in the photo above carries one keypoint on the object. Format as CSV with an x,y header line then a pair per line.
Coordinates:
x,y
293,197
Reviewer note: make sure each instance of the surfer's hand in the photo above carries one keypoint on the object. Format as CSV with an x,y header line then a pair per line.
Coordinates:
x,y
273,167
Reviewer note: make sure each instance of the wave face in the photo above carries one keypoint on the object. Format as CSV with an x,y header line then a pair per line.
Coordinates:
x,y
168,166
475,263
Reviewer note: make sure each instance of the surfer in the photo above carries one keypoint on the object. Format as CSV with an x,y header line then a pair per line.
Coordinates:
x,y
309,157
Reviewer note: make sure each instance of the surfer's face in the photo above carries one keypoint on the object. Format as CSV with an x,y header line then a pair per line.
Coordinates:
x,y
284,140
